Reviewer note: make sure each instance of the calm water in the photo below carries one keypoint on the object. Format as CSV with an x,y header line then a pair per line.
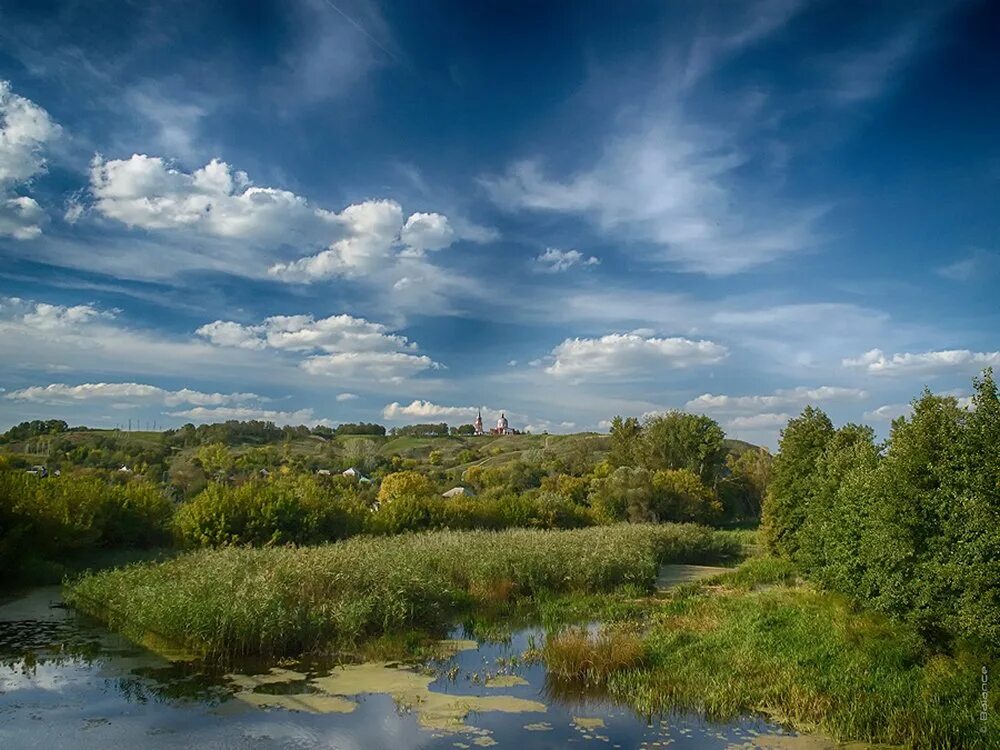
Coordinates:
x,y
67,682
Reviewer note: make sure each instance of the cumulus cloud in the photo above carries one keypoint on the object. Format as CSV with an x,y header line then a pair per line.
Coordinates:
x,y
629,354
555,261
340,345
377,239
146,192
223,413
58,393
347,396
876,362
423,232
25,130
337,333
801,395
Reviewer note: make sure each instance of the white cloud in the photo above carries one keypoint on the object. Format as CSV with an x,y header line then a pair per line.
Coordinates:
x,y
672,185
889,412
763,421
800,395
20,217
628,354
56,393
555,261
385,367
372,230
243,413
346,396
25,129
38,336
426,410
423,232
337,333
876,362
341,345
146,192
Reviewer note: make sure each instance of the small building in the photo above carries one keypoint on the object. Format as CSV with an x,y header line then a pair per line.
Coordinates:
x,y
459,492
323,472
353,473
125,469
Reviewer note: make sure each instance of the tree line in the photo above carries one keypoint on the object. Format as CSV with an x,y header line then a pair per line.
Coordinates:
x,y
909,527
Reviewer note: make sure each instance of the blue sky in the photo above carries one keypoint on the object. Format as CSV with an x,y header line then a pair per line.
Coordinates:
x,y
335,211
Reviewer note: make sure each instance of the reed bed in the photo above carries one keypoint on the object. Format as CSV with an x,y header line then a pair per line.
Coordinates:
x,y
274,601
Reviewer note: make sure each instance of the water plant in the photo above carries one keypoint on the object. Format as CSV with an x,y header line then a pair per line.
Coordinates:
x,y
288,600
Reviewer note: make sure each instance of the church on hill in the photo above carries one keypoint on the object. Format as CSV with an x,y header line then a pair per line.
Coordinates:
x,y
503,426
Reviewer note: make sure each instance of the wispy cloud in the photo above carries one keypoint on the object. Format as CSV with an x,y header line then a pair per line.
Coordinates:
x,y
671,186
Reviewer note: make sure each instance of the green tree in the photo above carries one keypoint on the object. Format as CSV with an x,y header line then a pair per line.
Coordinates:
x,y
215,459
793,477
405,484
627,494
679,495
677,440
625,434
747,477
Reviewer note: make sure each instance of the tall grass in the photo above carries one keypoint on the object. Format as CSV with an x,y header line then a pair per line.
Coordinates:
x,y
289,600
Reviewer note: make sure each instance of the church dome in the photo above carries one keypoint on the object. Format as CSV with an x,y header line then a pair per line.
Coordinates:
x,y
502,422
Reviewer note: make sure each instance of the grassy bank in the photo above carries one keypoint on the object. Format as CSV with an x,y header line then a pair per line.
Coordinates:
x,y
760,639
290,600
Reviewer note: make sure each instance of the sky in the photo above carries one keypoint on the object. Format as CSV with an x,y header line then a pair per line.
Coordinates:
x,y
325,211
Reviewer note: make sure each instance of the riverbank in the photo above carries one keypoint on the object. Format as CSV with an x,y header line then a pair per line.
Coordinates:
x,y
761,639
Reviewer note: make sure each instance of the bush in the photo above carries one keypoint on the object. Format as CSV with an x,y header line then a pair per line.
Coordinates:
x,y
56,518
639,495
293,509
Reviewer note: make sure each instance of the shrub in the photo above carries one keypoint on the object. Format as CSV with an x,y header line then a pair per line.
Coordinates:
x,y
405,484
297,509
680,496
638,495
56,518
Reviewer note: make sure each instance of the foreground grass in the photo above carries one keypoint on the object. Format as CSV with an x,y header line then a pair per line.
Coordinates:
x,y
287,601
758,640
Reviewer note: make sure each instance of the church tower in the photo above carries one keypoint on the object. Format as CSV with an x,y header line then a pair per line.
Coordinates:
x,y
479,423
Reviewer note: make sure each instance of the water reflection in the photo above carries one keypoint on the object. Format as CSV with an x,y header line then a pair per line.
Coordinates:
x,y
66,681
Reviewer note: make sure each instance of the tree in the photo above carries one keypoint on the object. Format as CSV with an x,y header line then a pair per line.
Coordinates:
x,y
625,434
405,484
819,540
677,440
361,453
792,479
681,496
745,485
626,495
215,459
